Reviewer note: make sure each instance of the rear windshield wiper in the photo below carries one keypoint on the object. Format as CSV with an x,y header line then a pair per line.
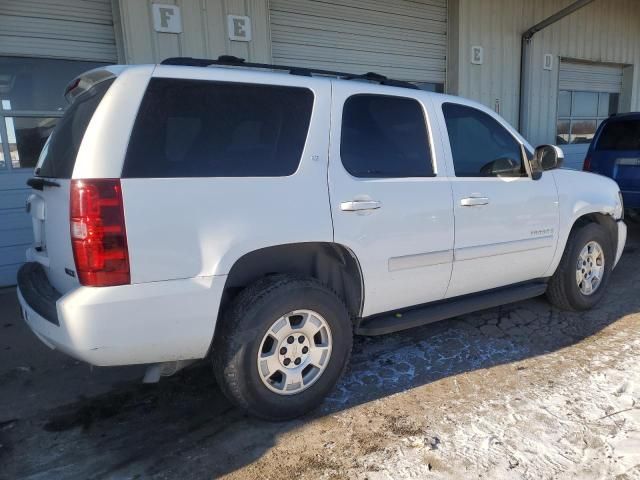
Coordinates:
x,y
38,183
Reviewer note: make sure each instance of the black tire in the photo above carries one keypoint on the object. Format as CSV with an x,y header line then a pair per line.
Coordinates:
x,y
245,323
563,290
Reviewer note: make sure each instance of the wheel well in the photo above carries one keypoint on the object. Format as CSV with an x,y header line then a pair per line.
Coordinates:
x,y
601,219
330,263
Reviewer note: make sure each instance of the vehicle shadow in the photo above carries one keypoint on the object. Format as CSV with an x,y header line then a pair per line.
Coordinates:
x,y
184,427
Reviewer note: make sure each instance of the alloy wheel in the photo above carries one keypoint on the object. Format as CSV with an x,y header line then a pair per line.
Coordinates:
x,y
294,352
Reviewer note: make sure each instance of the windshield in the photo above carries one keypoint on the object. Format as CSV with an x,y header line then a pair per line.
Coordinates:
x,y
58,157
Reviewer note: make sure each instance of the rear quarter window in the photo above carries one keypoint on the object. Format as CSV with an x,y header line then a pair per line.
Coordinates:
x,y
620,135
195,128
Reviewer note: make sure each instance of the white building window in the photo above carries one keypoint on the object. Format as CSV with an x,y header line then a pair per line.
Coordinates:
x,y
580,114
31,101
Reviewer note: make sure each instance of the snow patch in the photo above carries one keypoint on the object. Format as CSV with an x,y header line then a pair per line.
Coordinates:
x,y
581,425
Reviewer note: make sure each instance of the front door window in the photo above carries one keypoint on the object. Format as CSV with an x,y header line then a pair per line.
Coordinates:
x,y
480,146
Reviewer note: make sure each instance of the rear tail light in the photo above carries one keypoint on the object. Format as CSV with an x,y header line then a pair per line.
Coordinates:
x,y
587,164
98,234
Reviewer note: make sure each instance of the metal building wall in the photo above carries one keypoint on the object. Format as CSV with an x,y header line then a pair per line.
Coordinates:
x,y
402,39
603,31
70,29
204,28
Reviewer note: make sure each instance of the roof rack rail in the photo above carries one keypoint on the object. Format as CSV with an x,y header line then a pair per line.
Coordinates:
x,y
231,61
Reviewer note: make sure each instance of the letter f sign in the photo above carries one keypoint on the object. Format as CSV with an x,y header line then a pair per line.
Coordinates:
x,y
167,18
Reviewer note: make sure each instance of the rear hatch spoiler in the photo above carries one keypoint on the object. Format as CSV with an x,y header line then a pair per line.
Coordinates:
x,y
85,81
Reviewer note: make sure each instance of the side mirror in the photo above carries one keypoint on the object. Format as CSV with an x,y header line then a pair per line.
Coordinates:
x,y
547,157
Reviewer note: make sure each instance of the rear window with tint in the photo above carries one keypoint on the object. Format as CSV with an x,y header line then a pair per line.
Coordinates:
x,y
620,135
195,128
384,137
58,157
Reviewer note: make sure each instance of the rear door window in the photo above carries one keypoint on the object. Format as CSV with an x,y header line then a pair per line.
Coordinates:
x,y
195,128
620,135
59,154
384,137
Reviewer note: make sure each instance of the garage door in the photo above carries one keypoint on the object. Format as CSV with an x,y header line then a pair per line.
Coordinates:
x,y
405,40
587,94
43,45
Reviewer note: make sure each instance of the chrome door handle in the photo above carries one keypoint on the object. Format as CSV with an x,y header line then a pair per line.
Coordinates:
x,y
474,201
358,205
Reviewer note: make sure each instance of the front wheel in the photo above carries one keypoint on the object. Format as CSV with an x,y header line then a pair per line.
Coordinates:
x,y
582,276
282,346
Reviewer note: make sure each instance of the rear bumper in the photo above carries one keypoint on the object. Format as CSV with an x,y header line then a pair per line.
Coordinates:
x,y
124,325
631,199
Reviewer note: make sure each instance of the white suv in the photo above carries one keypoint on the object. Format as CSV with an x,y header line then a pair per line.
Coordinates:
x,y
261,217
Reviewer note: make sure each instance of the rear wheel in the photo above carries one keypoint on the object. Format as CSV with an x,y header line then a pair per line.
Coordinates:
x,y
283,344
581,278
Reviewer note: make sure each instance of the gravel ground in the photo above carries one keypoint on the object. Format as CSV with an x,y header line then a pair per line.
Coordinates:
x,y
521,391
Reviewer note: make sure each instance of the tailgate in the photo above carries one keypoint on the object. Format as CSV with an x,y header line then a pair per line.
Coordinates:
x,y
49,209
621,165
49,200
627,170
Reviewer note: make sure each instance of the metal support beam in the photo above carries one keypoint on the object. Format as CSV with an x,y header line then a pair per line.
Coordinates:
x,y
525,58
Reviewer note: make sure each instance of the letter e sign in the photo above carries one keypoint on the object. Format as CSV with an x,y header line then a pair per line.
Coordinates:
x,y
239,28
167,18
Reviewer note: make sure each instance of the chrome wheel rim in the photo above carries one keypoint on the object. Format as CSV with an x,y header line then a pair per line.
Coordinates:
x,y
294,352
590,268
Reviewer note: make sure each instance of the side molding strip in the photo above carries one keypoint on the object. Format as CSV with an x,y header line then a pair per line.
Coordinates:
x,y
503,248
420,260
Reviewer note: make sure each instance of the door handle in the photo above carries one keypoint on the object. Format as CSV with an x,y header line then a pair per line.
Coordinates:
x,y
359,205
474,201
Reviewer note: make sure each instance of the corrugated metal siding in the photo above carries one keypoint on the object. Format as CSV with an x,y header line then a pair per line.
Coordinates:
x,y
71,29
402,39
590,77
15,225
605,31
204,25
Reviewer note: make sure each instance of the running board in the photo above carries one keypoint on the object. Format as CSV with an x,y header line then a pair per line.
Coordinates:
x,y
434,312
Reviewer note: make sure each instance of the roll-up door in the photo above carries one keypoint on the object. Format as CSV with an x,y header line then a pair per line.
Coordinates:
x,y
587,94
590,77
405,40
70,29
